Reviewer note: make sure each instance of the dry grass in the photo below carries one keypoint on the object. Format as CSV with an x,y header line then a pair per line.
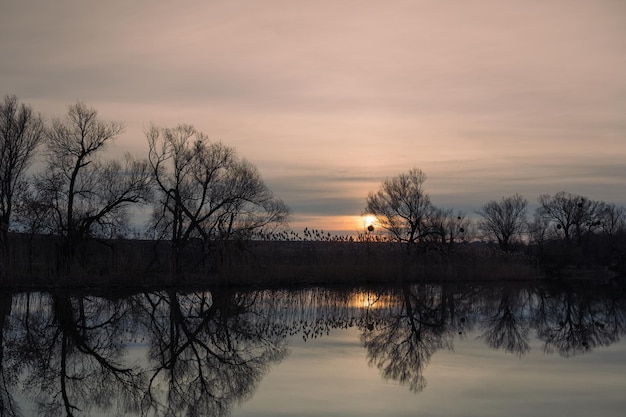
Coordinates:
x,y
258,262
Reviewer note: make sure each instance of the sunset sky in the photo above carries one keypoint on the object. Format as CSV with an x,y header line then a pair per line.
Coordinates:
x,y
328,98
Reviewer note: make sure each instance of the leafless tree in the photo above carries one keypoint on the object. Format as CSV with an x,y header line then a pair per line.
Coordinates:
x,y
401,206
446,230
88,196
612,219
504,220
572,217
205,190
21,131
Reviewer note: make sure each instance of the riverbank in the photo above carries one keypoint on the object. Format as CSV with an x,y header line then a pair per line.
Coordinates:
x,y
36,262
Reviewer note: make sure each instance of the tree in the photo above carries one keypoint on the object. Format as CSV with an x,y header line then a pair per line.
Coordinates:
x,y
88,196
402,207
446,229
612,219
504,220
21,131
205,190
571,216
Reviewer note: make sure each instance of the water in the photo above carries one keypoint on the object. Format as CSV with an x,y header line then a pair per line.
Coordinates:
x,y
431,350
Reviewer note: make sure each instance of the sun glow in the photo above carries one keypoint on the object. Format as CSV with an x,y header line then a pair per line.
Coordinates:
x,y
368,220
371,300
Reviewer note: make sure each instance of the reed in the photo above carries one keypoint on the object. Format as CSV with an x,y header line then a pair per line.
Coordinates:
x,y
312,259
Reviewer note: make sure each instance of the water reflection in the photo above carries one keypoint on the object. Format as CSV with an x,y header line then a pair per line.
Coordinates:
x,y
401,344
199,353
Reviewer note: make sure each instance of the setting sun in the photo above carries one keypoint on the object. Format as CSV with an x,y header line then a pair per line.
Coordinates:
x,y
368,220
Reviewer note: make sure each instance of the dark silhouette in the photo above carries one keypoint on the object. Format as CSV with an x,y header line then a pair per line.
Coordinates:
x,y
507,325
86,196
205,191
402,345
21,131
208,351
504,220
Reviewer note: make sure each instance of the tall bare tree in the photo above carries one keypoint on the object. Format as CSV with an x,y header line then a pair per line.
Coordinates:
x,y
205,190
402,207
504,220
88,196
21,131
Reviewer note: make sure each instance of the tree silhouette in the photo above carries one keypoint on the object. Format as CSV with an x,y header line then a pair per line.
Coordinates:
x,y
21,131
504,220
205,191
85,195
571,216
402,207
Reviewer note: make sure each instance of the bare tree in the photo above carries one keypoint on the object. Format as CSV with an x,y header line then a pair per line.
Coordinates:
x,y
205,191
86,195
447,229
612,219
504,220
402,207
571,216
21,131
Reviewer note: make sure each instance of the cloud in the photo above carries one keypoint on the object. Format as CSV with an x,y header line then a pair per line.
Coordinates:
x,y
329,98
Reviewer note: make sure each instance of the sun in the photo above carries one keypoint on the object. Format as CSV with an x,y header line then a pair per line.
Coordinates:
x,y
368,220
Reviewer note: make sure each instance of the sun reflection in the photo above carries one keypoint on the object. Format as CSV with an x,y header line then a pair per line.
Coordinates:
x,y
370,300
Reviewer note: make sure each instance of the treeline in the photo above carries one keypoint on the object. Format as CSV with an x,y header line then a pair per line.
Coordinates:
x,y
210,207
199,190
565,231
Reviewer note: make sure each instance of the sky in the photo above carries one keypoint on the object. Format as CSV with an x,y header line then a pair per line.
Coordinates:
x,y
329,98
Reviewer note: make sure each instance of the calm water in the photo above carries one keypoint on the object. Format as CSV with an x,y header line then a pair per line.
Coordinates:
x,y
428,350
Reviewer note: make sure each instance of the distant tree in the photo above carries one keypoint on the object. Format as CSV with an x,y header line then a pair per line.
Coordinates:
x,y
21,131
572,217
447,229
205,191
401,207
504,220
88,196
612,219
538,233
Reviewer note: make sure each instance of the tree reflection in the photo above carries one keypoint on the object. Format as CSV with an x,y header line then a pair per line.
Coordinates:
x,y
507,325
199,353
73,348
209,351
402,345
8,377
577,320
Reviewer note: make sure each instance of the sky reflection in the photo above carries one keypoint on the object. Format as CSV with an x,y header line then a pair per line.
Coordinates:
x,y
462,349
330,376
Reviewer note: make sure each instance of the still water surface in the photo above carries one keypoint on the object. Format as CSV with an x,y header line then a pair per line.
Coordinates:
x,y
428,350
